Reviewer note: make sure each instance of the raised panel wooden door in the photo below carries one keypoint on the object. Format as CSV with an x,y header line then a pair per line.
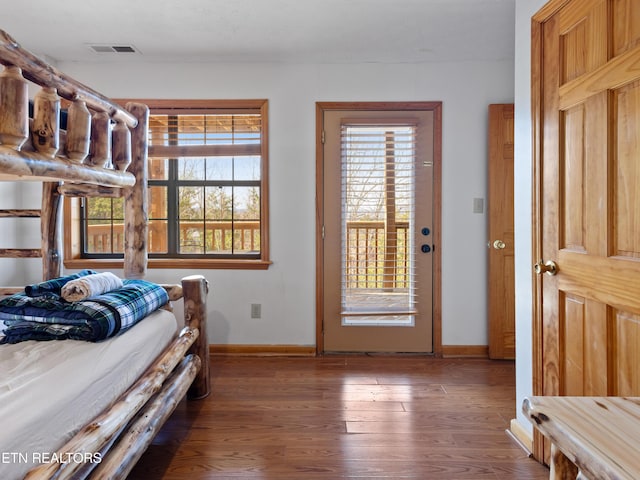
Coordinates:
x,y
587,85
501,278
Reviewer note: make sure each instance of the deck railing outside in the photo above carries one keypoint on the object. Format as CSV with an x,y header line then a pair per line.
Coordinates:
x,y
221,236
369,265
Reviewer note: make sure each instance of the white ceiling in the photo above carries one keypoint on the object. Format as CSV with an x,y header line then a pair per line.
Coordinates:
x,y
318,31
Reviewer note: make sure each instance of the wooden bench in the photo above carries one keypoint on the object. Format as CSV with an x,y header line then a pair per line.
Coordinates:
x,y
591,437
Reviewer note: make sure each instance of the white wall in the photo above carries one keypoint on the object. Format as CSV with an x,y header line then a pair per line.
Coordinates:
x,y
9,237
287,290
523,195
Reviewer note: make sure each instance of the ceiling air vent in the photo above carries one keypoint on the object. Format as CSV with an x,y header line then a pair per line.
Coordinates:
x,y
100,48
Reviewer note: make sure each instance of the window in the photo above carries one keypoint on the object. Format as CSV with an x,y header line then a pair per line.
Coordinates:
x,y
378,222
207,189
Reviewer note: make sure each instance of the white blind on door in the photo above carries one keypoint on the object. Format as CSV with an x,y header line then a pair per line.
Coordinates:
x,y
378,184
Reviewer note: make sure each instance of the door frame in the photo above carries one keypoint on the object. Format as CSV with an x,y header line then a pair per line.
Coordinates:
x,y
436,107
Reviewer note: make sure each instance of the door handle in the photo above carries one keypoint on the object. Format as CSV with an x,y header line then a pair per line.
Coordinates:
x,y
549,267
499,244
425,248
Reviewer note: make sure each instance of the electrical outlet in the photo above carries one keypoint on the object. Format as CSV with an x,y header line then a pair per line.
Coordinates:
x,y
256,310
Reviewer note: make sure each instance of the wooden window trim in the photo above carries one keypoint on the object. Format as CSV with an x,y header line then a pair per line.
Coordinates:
x,y
72,246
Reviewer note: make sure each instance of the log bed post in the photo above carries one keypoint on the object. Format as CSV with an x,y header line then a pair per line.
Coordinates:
x,y
194,292
78,131
135,197
100,147
51,231
14,98
121,148
45,135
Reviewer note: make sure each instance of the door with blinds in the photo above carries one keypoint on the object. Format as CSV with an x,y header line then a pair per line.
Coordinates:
x,y
378,231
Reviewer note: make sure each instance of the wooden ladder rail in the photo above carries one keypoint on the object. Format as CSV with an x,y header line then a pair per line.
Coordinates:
x,y
20,252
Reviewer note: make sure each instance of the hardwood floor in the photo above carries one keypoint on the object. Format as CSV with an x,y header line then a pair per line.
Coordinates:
x,y
345,417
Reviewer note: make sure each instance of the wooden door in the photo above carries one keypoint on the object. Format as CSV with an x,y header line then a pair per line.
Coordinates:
x,y
501,279
586,91
378,229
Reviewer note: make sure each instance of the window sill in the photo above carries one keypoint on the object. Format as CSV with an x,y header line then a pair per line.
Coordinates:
x,y
171,263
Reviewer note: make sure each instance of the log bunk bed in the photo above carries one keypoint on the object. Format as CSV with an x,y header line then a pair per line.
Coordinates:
x,y
78,162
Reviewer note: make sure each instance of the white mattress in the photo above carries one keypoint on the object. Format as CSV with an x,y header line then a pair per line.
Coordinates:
x,y
49,390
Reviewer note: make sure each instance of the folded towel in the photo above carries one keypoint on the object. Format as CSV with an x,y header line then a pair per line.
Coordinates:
x,y
53,286
89,286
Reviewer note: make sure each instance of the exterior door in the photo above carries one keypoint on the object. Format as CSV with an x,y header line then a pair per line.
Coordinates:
x,y
502,328
587,171
378,230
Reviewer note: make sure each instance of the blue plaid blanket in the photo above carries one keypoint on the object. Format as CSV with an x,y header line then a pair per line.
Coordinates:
x,y
40,313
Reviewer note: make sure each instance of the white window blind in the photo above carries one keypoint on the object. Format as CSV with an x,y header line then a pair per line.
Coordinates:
x,y
378,254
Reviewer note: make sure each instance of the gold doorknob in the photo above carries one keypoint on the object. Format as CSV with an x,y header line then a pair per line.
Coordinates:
x,y
549,267
499,244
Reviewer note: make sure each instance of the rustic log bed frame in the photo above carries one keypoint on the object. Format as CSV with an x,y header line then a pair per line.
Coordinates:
x,y
76,163
592,438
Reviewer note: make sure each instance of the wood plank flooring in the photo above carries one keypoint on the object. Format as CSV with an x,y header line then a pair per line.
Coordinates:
x,y
345,417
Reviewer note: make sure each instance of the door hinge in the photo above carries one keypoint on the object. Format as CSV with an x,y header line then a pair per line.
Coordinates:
x,y
323,232
322,137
